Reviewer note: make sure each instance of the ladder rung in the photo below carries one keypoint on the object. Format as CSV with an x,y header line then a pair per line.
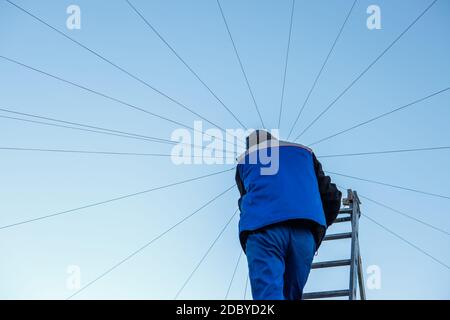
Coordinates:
x,y
330,264
346,210
326,294
338,236
338,220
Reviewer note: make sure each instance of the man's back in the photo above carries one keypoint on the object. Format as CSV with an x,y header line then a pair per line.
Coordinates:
x,y
290,192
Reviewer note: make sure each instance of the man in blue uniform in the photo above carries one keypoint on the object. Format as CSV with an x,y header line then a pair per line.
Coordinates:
x,y
284,214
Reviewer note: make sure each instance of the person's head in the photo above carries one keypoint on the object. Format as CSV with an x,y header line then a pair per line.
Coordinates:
x,y
264,155
258,136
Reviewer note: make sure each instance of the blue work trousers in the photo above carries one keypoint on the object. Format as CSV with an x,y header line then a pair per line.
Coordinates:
x,y
279,260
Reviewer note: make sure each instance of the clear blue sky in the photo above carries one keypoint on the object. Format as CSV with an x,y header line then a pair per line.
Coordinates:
x,y
35,256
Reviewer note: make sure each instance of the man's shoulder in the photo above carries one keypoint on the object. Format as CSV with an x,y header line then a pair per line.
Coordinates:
x,y
294,144
265,145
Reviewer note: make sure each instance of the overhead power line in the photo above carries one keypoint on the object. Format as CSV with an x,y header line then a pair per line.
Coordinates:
x,y
398,212
240,64
110,200
106,96
157,140
113,153
246,285
202,259
115,65
395,234
234,274
417,248
382,152
286,60
405,215
322,68
380,116
96,129
147,22
146,245
390,185
367,69
75,128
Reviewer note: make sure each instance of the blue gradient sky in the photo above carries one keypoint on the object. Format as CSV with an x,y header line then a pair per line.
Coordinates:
x,y
35,256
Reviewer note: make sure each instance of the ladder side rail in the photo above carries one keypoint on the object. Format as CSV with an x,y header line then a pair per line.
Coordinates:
x,y
354,246
362,290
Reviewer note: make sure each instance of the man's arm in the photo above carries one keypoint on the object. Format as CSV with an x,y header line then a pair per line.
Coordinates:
x,y
329,193
240,186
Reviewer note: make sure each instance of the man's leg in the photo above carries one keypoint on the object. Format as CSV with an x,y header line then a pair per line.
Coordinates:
x,y
265,251
298,261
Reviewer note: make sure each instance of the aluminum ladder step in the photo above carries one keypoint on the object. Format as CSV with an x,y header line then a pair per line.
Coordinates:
x,y
331,264
326,294
345,210
338,236
345,219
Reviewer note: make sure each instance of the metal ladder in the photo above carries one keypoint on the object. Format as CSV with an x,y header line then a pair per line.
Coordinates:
x,y
351,208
